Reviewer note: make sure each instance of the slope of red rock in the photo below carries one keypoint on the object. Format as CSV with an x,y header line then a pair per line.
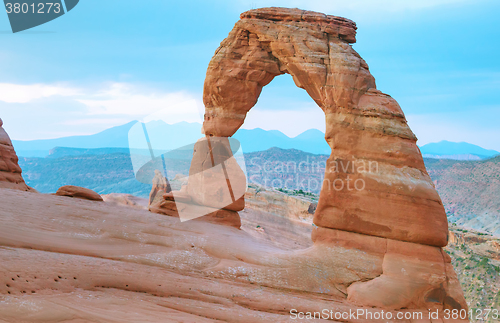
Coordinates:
x,y
72,260
10,172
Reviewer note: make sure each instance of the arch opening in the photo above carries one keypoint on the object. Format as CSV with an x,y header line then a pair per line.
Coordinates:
x,y
363,125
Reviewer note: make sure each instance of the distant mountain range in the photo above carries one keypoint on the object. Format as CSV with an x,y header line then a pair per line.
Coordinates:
x,y
470,190
456,150
167,137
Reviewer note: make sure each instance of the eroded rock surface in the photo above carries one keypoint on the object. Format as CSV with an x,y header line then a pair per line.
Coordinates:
x,y
74,260
78,192
364,127
126,200
377,197
10,172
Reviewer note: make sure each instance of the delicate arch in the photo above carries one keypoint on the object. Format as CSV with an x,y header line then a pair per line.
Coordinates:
x,y
363,125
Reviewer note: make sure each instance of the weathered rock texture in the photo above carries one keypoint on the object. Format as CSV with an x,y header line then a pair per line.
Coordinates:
x,y
377,196
279,204
78,192
363,125
10,172
73,260
215,190
120,199
160,186
169,205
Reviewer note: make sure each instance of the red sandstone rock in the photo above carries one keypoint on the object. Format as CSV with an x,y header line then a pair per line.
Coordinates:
x,y
160,183
170,206
94,258
79,192
215,178
391,211
371,248
10,172
126,200
363,125
215,189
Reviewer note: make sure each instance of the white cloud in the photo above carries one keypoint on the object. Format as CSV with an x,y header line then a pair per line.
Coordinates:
x,y
49,111
111,99
43,111
135,101
17,93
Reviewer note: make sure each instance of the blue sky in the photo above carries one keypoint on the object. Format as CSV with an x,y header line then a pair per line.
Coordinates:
x,y
109,62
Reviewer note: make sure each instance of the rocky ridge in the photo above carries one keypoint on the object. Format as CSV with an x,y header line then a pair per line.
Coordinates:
x,y
10,172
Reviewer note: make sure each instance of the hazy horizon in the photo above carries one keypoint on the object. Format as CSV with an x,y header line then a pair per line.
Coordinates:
x,y
52,86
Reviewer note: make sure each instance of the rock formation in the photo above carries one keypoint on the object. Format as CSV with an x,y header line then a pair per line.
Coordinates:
x,y
215,190
377,246
10,172
377,197
78,192
160,186
279,204
68,259
121,199
363,125
170,204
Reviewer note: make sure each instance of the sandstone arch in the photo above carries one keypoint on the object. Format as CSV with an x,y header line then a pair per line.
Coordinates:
x,y
363,125
379,246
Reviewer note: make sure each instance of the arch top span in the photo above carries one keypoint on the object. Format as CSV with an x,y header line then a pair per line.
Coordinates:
x,y
337,26
313,48
397,200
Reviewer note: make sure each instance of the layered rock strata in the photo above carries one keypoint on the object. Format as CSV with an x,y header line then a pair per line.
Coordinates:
x,y
79,192
377,197
67,259
390,194
10,172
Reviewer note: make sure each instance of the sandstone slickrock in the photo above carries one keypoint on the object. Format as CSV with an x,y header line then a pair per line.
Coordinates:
x,y
10,172
169,205
378,247
96,262
126,200
78,192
